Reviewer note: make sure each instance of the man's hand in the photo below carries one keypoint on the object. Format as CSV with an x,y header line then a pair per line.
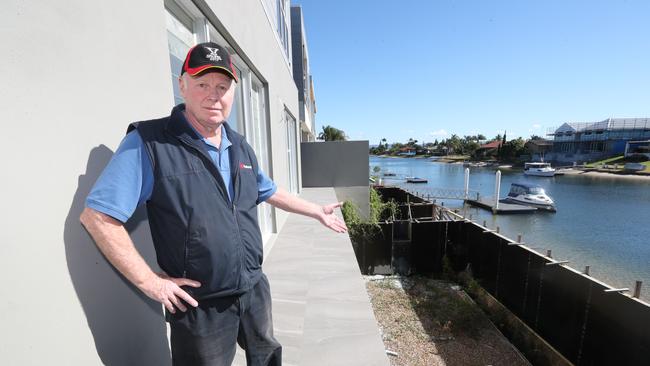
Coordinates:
x,y
325,214
167,291
114,242
330,220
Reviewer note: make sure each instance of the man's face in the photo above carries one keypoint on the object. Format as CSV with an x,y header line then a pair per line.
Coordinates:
x,y
208,97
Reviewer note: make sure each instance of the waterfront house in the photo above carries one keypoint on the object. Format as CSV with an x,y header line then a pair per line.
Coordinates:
x,y
406,151
488,149
637,148
588,141
538,148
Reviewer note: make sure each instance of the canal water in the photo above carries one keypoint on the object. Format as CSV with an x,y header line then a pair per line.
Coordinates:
x,y
600,222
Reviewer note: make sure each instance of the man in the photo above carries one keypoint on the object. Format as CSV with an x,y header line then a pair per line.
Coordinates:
x,y
201,184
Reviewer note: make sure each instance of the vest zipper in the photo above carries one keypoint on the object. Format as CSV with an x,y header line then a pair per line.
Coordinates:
x,y
241,242
185,254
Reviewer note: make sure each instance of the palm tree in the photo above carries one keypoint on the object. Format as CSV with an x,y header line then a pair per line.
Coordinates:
x,y
331,134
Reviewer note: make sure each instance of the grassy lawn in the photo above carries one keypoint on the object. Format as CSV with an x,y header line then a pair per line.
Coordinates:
x,y
453,158
612,160
620,160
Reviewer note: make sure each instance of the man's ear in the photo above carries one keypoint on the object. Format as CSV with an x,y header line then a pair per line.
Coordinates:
x,y
181,85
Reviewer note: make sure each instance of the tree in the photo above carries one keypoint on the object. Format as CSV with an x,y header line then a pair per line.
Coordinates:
x,y
332,134
512,149
454,144
500,149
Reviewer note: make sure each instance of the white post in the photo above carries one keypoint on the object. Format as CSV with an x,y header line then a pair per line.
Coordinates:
x,y
497,188
466,183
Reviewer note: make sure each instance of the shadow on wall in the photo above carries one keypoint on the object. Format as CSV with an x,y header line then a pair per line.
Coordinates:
x,y
128,327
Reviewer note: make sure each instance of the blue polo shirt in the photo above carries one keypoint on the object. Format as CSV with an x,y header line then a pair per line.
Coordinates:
x,y
127,180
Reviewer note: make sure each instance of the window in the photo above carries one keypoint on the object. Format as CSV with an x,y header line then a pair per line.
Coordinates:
x,y
282,27
257,136
236,118
179,40
292,153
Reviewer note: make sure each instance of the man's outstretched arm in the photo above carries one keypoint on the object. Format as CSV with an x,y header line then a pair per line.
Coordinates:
x,y
325,214
114,242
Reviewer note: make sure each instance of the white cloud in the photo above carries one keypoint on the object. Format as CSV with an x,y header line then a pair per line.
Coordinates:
x,y
439,133
537,126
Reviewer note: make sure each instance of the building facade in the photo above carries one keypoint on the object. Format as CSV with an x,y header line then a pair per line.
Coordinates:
x,y
582,142
302,76
75,75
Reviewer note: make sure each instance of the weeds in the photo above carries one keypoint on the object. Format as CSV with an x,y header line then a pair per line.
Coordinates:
x,y
368,230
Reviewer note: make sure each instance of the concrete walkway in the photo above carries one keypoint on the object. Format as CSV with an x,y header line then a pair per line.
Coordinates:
x,y
321,311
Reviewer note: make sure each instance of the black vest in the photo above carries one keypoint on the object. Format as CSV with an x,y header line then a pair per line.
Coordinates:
x,y
197,231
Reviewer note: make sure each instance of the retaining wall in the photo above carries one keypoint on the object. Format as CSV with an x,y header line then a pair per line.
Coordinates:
x,y
570,310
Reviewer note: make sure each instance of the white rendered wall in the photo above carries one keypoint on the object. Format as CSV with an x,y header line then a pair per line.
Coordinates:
x,y
74,74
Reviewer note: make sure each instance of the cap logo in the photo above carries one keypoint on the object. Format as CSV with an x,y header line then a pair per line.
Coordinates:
x,y
213,54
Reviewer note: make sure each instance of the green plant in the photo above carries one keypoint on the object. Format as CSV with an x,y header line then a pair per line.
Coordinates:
x,y
380,210
368,230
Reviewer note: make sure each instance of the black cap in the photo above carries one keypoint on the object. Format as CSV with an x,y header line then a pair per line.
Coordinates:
x,y
208,56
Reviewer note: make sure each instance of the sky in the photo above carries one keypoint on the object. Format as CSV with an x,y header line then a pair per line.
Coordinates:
x,y
427,69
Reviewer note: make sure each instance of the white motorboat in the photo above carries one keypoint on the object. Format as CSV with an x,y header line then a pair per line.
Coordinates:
x,y
540,169
529,195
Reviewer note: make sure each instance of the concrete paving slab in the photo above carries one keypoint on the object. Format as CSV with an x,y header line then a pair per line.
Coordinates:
x,y
321,311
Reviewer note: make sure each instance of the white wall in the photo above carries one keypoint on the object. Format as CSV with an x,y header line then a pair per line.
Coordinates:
x,y
74,74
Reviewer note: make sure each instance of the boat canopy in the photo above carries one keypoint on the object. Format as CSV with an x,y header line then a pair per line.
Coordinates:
x,y
531,188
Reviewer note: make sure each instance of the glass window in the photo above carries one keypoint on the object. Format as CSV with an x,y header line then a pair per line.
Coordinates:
x,y
258,137
292,152
179,41
283,27
236,118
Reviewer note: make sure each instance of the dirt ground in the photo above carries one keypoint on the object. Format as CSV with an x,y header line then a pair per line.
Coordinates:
x,y
431,322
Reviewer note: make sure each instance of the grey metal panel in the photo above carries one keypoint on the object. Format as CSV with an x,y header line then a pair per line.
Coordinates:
x,y
359,196
334,163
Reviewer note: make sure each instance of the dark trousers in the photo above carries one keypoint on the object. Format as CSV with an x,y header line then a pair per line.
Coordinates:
x,y
206,335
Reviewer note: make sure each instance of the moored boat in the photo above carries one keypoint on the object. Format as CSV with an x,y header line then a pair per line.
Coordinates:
x,y
539,169
530,195
415,180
